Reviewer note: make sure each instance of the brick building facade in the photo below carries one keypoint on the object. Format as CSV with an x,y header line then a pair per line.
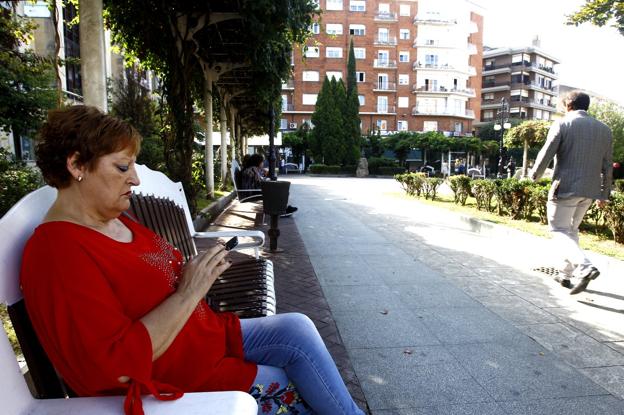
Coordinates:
x,y
418,64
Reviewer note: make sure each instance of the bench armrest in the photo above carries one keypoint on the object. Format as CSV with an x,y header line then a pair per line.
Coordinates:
x,y
257,236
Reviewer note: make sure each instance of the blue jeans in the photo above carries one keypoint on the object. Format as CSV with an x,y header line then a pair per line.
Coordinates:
x,y
288,348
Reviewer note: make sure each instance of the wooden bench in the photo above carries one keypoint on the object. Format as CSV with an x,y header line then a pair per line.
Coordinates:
x,y
16,227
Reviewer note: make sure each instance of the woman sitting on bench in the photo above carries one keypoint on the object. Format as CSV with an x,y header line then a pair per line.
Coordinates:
x,y
118,312
253,175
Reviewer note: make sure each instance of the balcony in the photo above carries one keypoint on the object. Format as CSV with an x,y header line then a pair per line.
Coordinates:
x,y
385,109
473,27
289,85
434,20
288,107
545,70
384,86
384,63
441,90
443,112
386,40
535,85
431,43
539,103
472,49
386,17
468,70
494,86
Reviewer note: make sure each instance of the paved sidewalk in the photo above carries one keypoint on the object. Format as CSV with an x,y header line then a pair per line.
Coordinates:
x,y
439,319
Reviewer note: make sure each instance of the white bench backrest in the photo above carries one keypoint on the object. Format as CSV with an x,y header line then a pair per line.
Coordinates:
x,y
16,226
235,167
157,184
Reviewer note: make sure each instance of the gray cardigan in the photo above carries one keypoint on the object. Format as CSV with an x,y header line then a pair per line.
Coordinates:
x,y
583,152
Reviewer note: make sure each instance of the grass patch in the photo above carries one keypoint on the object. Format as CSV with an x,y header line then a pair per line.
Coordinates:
x,y
593,240
203,201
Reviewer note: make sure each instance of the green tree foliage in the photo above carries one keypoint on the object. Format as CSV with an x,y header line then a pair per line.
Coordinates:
x,y
298,141
599,13
16,180
353,133
487,131
134,103
26,79
612,115
528,134
328,133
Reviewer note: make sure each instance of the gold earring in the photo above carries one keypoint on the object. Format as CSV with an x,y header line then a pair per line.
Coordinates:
x,y
79,179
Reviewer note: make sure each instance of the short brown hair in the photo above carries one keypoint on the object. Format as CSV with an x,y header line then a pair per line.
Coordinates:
x,y
83,129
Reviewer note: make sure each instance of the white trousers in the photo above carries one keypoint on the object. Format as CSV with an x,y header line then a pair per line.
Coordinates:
x,y
564,217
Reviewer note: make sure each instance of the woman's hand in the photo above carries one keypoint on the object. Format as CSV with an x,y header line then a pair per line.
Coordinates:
x,y
202,271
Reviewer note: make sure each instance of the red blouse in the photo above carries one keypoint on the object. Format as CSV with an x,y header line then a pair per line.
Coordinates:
x,y
85,294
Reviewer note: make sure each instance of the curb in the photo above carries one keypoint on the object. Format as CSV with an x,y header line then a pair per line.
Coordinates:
x,y
203,218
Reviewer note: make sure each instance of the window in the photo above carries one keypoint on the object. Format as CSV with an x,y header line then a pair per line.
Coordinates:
x,y
333,29
403,79
383,34
382,125
403,56
430,126
284,102
310,76
404,34
335,74
283,124
312,52
488,97
362,99
333,4
384,8
316,28
360,76
402,125
404,10
360,53
516,58
431,61
403,102
382,104
488,115
537,114
357,29
333,53
459,127
357,6
309,99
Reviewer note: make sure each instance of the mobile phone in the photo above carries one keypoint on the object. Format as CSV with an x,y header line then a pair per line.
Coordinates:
x,y
229,245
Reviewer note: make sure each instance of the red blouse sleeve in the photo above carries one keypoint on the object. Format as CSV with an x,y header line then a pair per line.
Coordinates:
x,y
79,320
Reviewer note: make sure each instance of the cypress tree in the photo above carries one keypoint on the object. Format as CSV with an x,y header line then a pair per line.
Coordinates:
x,y
353,134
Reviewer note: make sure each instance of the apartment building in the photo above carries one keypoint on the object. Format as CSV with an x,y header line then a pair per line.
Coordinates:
x,y
525,77
418,64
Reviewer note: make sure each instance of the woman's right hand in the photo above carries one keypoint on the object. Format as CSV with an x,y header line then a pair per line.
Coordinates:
x,y
202,271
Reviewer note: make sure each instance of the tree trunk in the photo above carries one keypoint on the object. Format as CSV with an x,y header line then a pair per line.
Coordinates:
x,y
57,50
525,160
208,149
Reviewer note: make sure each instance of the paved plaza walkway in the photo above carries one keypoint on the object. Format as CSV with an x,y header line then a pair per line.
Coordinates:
x,y
443,315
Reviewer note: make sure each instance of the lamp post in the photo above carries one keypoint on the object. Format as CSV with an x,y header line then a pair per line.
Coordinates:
x,y
501,125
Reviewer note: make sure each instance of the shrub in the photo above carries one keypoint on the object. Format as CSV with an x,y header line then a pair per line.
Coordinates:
x,y
430,186
376,163
483,191
323,169
460,185
349,169
619,185
412,183
538,200
512,197
16,181
614,216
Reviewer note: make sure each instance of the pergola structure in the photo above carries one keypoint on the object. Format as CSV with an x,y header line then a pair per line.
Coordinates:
x,y
239,51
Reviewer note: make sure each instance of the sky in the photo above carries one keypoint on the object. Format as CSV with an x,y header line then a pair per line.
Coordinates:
x,y
591,58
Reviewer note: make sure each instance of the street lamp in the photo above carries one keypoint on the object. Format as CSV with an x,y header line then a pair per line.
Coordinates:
x,y
502,124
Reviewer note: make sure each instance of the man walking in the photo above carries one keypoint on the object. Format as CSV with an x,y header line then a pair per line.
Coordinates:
x,y
582,149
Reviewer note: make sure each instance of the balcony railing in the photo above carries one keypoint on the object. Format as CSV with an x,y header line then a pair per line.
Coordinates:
x,y
443,112
385,86
443,90
386,109
289,85
533,65
386,16
527,100
434,20
470,70
384,63
288,107
488,84
386,40
534,84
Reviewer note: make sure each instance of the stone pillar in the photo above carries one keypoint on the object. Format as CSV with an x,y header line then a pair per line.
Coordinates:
x,y
209,149
92,59
233,136
223,124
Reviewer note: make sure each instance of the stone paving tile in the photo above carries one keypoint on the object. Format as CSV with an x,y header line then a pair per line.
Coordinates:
x,y
573,346
609,378
587,405
489,408
362,297
592,325
542,294
517,310
617,346
522,370
479,287
435,378
437,294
